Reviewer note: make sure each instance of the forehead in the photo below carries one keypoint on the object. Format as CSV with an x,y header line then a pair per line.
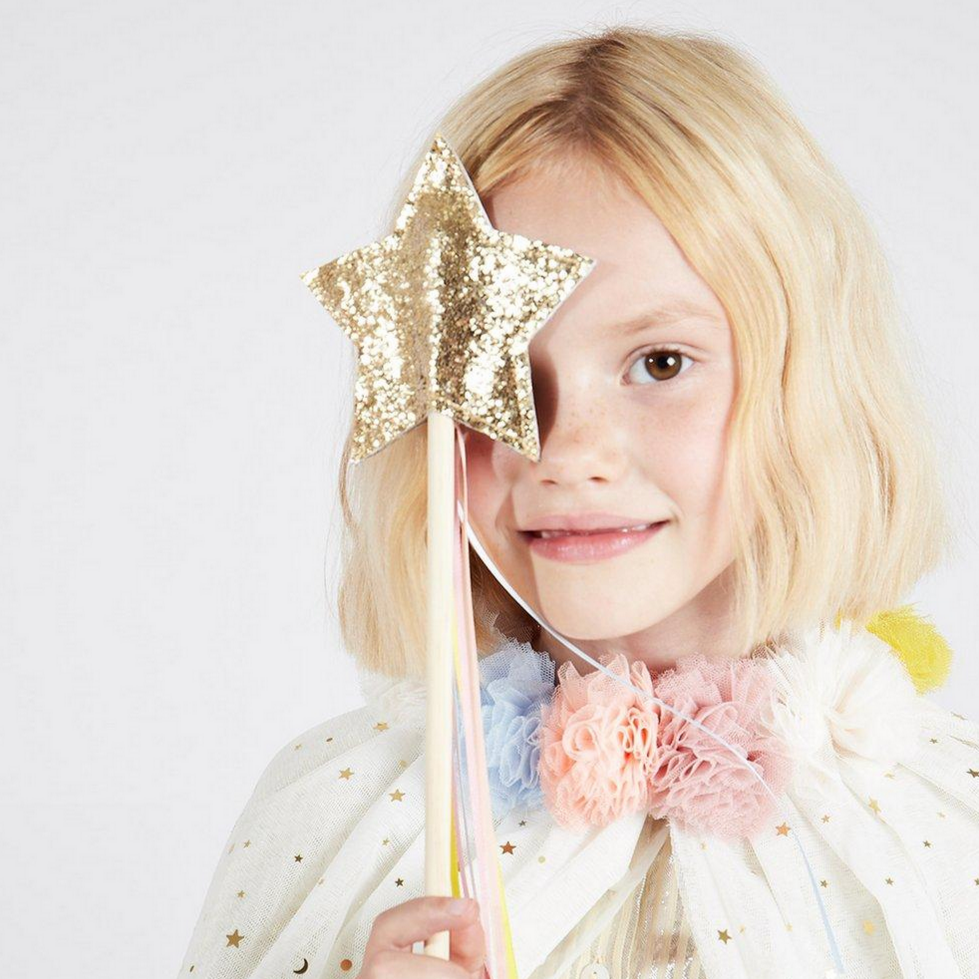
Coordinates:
x,y
640,269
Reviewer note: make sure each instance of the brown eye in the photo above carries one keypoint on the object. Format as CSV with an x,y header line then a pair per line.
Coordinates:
x,y
658,365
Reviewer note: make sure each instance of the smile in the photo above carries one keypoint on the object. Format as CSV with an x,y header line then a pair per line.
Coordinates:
x,y
588,545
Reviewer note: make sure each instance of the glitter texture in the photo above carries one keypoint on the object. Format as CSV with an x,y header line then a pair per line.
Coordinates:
x,y
442,311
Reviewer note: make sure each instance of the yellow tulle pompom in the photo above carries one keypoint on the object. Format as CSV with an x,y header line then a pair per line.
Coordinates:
x,y
921,647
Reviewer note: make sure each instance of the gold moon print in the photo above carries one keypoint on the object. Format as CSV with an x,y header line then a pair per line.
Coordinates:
x,y
302,969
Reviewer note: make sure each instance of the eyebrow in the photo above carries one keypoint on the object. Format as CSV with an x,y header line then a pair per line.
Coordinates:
x,y
669,313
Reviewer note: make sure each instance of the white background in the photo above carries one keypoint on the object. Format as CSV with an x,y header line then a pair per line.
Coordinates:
x,y
172,398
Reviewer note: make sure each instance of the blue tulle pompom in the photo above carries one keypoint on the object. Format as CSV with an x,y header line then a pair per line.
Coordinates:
x,y
515,681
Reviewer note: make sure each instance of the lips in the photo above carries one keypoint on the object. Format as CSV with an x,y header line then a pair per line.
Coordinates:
x,y
588,546
567,532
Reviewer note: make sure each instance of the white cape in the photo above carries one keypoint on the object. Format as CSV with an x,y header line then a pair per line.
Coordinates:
x,y
884,798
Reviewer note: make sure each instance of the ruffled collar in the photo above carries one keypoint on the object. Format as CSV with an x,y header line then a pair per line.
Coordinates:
x,y
591,752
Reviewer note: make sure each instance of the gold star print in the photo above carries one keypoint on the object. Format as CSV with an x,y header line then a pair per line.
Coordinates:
x,y
523,822
724,936
934,740
400,882
782,830
385,841
889,881
875,805
397,795
442,311
508,847
824,883
234,938
346,773
825,819
977,881
868,927
297,747
247,843
928,843
241,893
298,858
973,773
381,726
889,775
403,763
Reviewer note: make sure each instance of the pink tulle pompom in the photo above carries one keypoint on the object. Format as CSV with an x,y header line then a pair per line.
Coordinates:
x,y
598,745
699,782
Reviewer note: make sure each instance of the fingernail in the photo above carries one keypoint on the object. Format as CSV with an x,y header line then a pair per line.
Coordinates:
x,y
458,906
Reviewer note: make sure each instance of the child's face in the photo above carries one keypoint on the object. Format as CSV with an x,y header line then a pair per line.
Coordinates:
x,y
625,428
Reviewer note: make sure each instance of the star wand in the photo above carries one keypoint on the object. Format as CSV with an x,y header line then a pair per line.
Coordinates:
x,y
442,311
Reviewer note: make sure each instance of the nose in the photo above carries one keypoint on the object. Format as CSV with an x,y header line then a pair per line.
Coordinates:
x,y
577,435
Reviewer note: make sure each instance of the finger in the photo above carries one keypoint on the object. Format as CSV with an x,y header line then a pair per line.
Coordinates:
x,y
388,964
417,920
467,945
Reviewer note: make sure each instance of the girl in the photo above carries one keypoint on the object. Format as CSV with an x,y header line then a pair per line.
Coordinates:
x,y
735,481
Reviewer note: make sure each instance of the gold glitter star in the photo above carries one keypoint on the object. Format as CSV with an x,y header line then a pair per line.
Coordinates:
x,y
825,819
868,927
724,936
523,822
247,843
442,311
346,773
234,938
297,747
782,830
928,843
888,880
241,893
298,858
934,740
385,841
824,883
397,795
400,882
974,773
381,726
889,775
508,847
875,805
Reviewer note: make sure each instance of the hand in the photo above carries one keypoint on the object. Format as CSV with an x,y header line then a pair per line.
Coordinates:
x,y
389,955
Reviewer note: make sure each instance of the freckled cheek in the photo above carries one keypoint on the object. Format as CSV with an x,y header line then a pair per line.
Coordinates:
x,y
682,452
489,481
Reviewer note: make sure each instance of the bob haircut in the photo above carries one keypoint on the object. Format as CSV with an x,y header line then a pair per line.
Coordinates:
x,y
832,474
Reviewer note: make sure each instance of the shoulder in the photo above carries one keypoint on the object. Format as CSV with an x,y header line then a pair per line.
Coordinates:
x,y
394,712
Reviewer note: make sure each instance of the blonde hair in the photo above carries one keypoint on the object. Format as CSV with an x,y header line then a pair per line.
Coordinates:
x,y
832,477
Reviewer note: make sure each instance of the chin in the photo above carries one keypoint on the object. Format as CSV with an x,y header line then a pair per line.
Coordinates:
x,y
591,620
